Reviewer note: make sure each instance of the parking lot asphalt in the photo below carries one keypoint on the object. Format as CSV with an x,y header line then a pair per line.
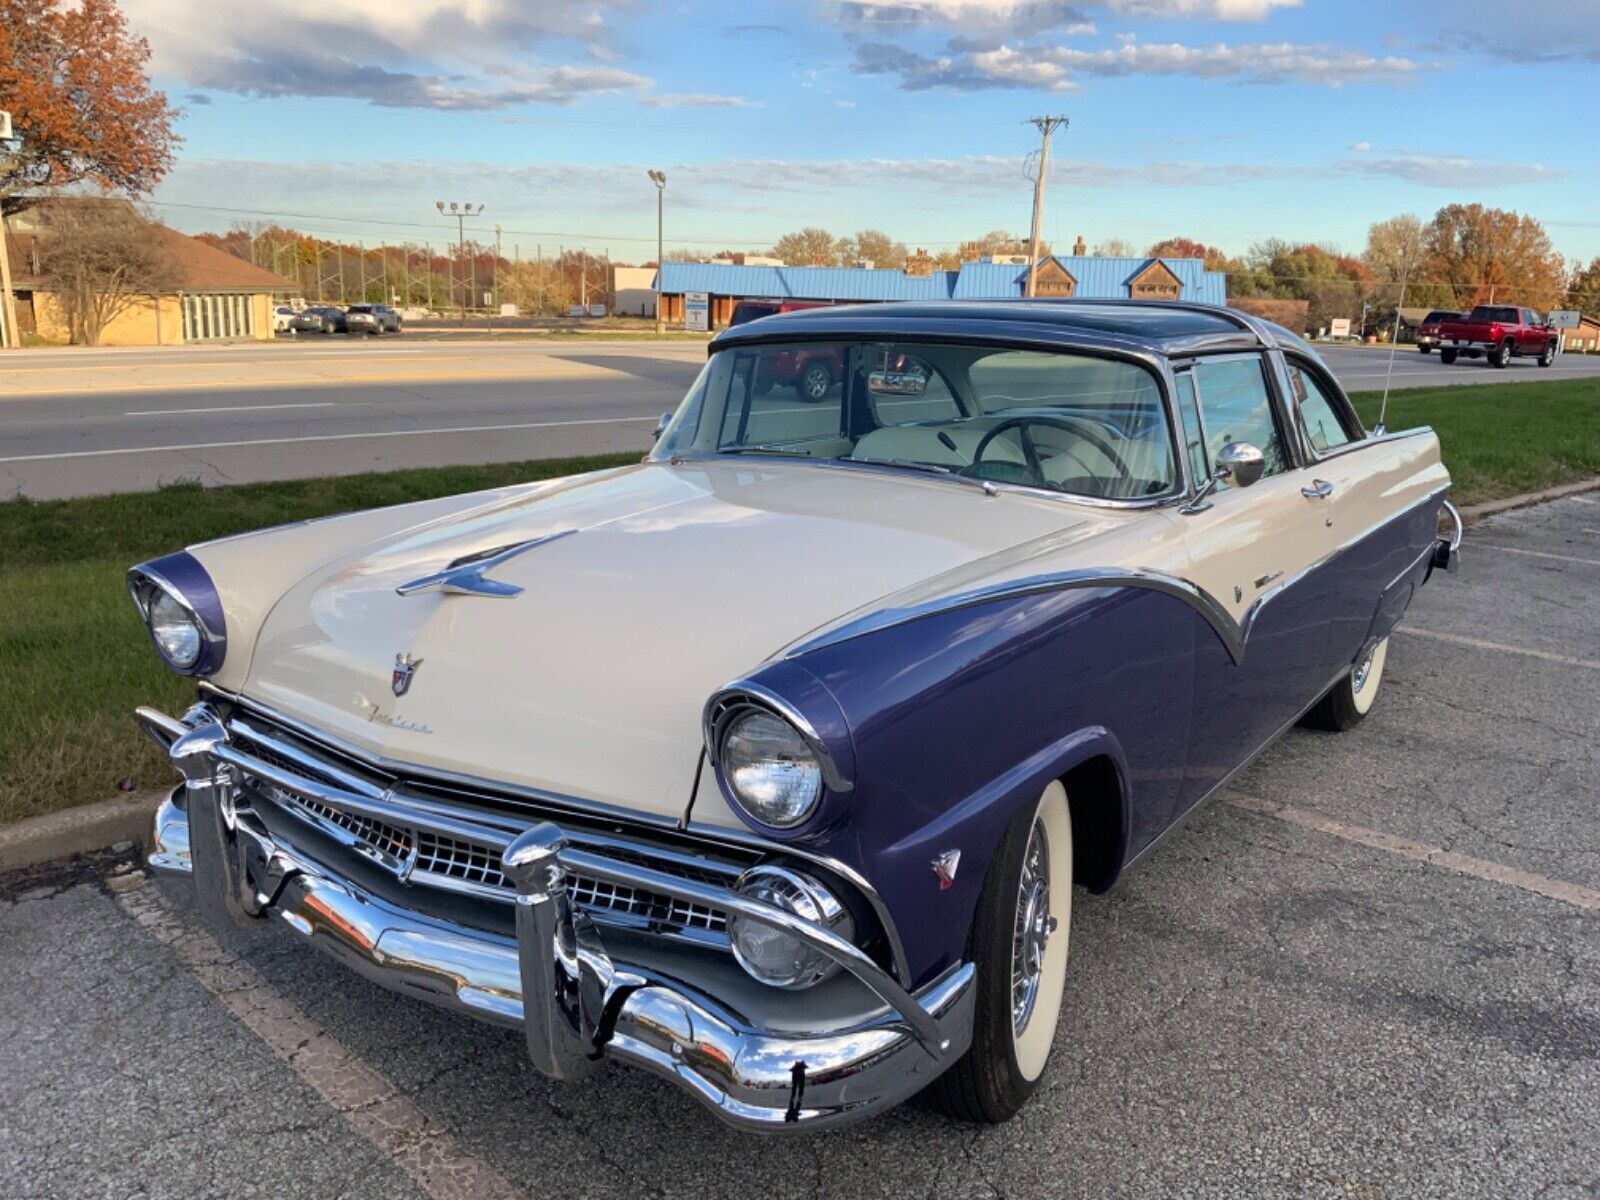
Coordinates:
x,y
90,421
1372,970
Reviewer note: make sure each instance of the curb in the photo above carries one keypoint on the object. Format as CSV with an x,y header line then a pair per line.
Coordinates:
x,y
1476,512
81,830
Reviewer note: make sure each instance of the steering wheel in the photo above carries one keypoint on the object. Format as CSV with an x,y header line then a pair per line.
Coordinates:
x,y
1030,451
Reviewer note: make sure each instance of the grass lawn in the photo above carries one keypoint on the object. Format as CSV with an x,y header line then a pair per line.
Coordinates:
x,y
74,661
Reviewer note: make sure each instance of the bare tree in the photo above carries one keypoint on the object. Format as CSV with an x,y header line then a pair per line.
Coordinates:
x,y
99,258
1116,248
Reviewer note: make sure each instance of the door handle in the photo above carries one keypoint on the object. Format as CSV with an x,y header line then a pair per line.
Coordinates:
x,y
1320,489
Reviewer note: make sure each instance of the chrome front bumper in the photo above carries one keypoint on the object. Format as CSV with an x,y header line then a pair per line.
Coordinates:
x,y
555,977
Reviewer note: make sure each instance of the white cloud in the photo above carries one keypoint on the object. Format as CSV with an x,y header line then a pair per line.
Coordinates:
x,y
971,67
1450,171
1214,10
445,54
1361,147
693,100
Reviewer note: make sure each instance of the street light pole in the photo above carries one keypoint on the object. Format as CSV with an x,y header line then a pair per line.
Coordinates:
x,y
1046,126
460,212
12,337
659,178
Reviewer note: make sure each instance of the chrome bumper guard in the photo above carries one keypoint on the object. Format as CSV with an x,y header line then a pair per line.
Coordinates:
x,y
555,977
1447,551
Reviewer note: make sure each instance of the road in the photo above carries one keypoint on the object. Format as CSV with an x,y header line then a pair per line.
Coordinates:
x,y
83,422
1388,988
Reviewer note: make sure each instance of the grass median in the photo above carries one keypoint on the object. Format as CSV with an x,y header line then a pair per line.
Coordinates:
x,y
74,661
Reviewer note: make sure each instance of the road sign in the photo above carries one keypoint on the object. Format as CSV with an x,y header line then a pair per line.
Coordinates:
x,y
1339,327
1565,318
697,312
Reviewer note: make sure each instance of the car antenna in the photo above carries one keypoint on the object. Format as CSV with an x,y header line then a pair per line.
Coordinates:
x,y
1394,343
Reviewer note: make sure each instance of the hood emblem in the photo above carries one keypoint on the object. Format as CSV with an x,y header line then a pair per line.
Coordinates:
x,y
944,867
404,668
464,576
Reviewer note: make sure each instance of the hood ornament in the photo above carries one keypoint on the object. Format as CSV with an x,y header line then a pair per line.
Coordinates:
x,y
464,576
404,668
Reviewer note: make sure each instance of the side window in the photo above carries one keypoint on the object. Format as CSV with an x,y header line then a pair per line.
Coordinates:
x,y
1194,440
1318,414
1237,408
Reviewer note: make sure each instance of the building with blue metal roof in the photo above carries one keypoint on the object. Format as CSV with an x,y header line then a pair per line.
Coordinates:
x,y
1081,276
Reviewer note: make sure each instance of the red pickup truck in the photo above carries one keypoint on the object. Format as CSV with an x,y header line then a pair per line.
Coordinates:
x,y
1499,333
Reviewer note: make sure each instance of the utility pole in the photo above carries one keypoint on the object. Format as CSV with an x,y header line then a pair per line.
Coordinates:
x,y
460,212
1046,126
659,178
8,299
495,285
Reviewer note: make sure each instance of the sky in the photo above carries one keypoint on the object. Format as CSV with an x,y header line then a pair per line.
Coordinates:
x,y
1229,121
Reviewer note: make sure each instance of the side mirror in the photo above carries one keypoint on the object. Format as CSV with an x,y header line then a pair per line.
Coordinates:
x,y
661,426
1239,464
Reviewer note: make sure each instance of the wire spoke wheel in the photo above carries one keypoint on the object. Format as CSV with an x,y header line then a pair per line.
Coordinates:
x,y
1032,928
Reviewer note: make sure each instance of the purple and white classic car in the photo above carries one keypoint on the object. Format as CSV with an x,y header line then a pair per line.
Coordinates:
x,y
771,763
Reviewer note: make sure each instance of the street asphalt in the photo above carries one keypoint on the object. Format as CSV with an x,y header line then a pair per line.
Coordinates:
x,y
79,422
1372,971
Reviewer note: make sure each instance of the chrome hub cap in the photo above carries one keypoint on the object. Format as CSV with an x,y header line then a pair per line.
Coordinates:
x,y
1358,679
1031,933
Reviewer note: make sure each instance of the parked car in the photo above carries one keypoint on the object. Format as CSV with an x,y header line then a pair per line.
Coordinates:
x,y
389,317
319,318
1035,583
1428,327
753,310
282,319
364,318
1498,333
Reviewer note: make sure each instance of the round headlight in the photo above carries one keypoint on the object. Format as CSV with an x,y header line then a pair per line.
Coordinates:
x,y
772,956
174,630
770,768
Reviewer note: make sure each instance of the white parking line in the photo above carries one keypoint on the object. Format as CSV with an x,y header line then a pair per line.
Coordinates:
x,y
417,1143
1457,639
323,437
226,408
1590,562
1434,856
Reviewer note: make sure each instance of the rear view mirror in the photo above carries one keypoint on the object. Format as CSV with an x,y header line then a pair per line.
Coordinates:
x,y
661,426
898,375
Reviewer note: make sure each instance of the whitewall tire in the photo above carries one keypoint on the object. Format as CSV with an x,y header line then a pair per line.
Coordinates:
x,y
1019,942
1351,699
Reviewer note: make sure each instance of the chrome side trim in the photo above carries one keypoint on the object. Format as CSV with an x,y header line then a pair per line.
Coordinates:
x,y
1203,602
723,835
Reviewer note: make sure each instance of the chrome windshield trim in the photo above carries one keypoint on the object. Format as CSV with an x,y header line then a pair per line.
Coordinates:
x,y
736,839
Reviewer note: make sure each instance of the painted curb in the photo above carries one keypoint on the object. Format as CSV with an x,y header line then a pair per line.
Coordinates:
x,y
79,830
1476,512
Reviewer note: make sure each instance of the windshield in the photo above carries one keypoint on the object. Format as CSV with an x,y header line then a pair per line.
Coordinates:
x,y
1062,421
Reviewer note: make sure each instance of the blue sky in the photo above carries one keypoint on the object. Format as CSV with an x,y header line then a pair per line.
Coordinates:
x,y
1224,120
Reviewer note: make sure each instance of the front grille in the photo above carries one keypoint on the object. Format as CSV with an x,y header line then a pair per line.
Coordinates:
x,y
428,858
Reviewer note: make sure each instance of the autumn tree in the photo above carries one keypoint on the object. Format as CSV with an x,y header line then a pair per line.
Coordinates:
x,y
1183,247
74,80
874,246
1115,248
1493,254
97,260
1333,284
1584,289
997,242
808,247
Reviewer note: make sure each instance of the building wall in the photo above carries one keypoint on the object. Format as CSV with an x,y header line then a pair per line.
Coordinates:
x,y
145,322
1585,338
634,289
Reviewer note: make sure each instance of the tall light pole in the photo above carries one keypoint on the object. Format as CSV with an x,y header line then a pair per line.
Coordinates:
x,y
659,178
8,300
497,232
1046,126
460,212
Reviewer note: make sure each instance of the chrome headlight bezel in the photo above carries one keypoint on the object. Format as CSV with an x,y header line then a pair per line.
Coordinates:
x,y
181,580
733,705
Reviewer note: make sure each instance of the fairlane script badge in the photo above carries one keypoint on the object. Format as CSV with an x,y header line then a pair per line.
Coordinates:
x,y
404,668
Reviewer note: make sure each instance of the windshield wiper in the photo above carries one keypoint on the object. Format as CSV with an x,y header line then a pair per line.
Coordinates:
x,y
773,450
927,468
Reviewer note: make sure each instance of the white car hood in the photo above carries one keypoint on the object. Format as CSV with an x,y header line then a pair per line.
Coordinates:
x,y
677,579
